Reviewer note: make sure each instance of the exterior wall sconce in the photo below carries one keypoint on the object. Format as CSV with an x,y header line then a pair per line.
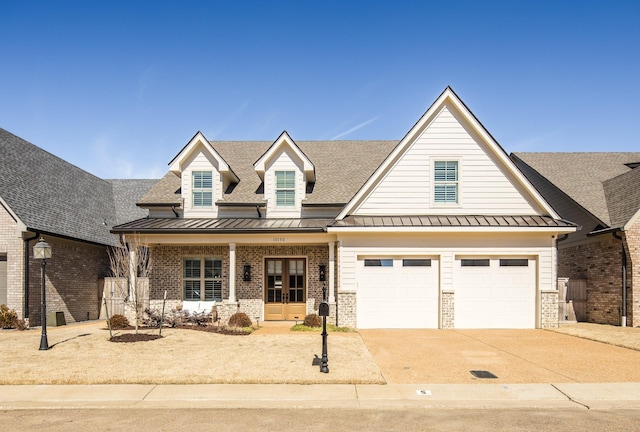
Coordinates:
x,y
322,272
246,273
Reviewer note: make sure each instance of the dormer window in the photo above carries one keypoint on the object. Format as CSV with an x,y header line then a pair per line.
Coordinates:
x,y
285,188
445,181
202,189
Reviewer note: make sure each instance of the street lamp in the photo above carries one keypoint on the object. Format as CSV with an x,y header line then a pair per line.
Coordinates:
x,y
42,251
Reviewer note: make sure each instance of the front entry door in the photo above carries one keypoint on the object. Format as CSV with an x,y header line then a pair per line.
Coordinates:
x,y
285,289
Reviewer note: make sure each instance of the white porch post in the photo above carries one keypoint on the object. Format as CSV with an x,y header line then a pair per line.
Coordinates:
x,y
332,265
232,272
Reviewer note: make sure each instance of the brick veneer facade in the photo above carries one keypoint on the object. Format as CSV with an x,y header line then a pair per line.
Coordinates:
x,y
168,262
74,278
448,313
549,309
73,275
600,263
12,246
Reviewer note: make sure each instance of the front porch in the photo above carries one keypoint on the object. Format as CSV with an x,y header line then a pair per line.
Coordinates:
x,y
267,282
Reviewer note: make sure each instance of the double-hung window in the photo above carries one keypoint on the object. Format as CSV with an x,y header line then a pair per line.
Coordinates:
x,y
285,188
445,181
202,189
202,278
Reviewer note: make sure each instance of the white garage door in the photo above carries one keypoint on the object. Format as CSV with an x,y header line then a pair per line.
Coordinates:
x,y
495,293
397,293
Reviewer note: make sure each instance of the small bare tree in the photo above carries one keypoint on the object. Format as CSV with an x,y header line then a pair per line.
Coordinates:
x,y
129,261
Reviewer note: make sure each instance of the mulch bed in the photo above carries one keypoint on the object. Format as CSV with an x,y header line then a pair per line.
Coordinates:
x,y
142,337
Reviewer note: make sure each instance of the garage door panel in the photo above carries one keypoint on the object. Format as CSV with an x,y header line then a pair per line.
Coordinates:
x,y
398,296
495,296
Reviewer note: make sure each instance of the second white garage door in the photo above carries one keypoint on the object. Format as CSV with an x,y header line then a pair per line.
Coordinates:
x,y
397,293
495,293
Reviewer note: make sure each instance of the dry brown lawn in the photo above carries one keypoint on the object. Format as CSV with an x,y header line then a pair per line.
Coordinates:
x,y
626,337
83,354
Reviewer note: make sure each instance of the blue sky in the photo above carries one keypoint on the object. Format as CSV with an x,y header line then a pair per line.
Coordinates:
x,y
118,87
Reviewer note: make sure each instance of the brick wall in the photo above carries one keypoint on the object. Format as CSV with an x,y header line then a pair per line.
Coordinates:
x,y
549,309
632,237
167,272
73,280
12,246
448,309
346,309
600,263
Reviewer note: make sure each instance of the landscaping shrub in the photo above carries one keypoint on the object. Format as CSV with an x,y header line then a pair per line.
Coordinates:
x,y
21,324
312,320
119,322
240,319
8,317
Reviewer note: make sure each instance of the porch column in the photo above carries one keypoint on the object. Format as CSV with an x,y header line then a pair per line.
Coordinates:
x,y
332,265
232,272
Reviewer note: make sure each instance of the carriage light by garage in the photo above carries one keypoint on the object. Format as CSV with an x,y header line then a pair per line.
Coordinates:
x,y
246,273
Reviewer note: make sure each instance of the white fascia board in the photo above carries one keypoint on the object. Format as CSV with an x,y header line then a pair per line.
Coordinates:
x,y
175,165
551,230
448,96
285,140
22,227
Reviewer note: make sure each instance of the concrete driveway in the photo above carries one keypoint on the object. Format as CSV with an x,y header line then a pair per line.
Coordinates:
x,y
514,356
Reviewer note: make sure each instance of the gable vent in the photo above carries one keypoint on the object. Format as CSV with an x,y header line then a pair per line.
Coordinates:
x,y
633,165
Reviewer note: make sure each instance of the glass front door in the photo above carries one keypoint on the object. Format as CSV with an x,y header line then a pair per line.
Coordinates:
x,y
285,289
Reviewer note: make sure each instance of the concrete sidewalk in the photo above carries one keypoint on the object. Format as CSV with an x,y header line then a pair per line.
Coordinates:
x,y
489,396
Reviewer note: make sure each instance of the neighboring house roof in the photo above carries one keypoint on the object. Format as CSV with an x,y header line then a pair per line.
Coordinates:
x,y
601,183
52,196
126,193
341,168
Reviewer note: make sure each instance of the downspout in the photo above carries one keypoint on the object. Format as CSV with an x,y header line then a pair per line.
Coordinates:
x,y
26,276
258,210
623,319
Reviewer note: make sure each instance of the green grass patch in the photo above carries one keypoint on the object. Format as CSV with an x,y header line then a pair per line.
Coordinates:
x,y
330,328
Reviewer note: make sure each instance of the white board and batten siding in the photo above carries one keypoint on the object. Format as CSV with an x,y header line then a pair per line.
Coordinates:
x,y
201,161
407,189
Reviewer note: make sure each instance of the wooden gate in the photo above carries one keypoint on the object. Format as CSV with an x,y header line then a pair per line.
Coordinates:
x,y
114,289
572,301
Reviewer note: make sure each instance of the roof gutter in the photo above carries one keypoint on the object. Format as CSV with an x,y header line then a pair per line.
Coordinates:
x,y
623,318
25,312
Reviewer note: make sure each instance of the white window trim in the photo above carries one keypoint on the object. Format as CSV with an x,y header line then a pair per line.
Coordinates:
x,y
432,182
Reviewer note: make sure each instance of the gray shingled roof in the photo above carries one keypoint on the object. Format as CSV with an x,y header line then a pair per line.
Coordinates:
x,y
126,193
53,196
342,167
590,180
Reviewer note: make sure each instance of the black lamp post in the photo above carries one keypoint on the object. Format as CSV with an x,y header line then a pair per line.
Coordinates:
x,y
323,311
42,251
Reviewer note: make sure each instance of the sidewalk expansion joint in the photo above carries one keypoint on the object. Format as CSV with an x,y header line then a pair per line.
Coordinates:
x,y
570,398
149,392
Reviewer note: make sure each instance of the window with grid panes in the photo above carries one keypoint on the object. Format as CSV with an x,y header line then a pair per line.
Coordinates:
x,y
202,279
445,181
285,188
202,188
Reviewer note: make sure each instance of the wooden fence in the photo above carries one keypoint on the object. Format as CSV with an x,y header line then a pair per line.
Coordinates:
x,y
572,300
113,293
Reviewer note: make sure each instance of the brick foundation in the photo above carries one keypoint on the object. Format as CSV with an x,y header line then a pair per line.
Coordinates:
x,y
549,309
448,310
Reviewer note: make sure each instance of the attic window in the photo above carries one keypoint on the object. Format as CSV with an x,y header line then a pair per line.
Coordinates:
x,y
445,180
285,188
202,191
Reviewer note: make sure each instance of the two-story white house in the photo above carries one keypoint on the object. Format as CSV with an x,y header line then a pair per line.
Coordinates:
x,y
437,230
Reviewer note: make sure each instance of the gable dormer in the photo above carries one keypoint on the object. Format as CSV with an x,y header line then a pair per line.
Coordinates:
x,y
204,175
285,172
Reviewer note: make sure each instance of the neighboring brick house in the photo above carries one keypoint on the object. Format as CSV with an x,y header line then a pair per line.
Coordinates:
x,y
437,230
42,195
601,193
